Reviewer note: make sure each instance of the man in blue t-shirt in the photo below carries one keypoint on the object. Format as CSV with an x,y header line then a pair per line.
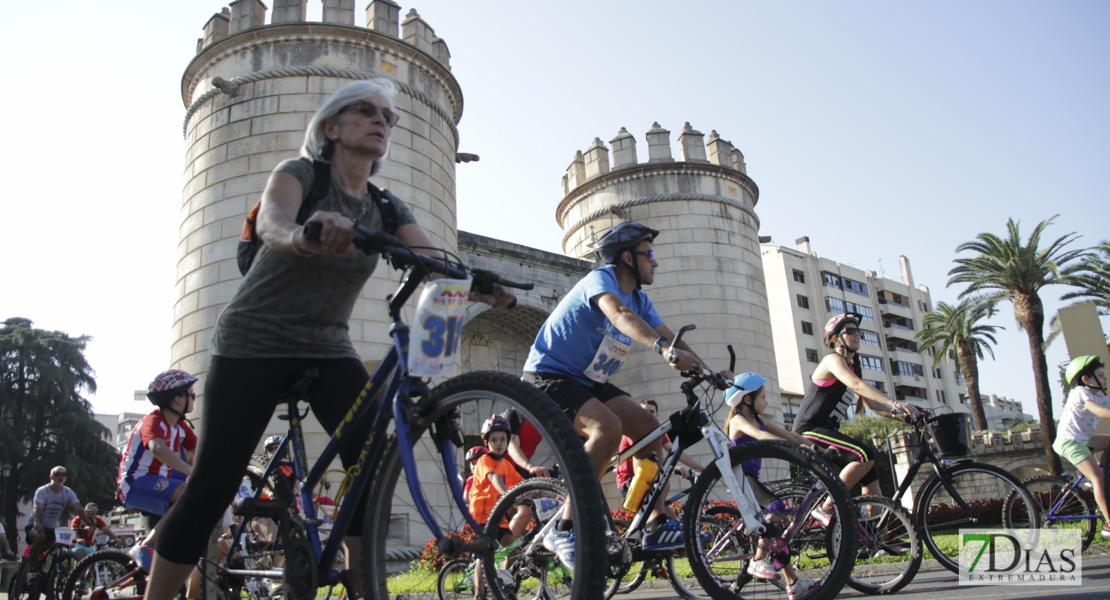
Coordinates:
x,y
584,342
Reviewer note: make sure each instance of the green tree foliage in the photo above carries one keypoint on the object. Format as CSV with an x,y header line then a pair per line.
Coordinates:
x,y
45,421
1008,268
957,328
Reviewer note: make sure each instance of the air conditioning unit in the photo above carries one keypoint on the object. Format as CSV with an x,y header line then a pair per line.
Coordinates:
x,y
917,378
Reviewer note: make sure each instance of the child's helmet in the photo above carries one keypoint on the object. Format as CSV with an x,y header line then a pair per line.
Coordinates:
x,y
742,385
496,423
1081,366
273,440
476,452
173,380
838,322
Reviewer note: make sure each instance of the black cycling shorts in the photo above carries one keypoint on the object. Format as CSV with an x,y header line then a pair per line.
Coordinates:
x,y
569,393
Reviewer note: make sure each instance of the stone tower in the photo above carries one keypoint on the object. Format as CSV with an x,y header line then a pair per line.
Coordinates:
x,y
250,92
710,272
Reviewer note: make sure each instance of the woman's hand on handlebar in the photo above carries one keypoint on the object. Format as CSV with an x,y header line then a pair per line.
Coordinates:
x,y
499,297
337,231
905,412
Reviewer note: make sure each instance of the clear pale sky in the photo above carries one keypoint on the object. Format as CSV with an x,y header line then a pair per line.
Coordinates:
x,y
876,128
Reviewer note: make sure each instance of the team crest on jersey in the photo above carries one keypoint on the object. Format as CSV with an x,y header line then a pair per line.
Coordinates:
x,y
161,484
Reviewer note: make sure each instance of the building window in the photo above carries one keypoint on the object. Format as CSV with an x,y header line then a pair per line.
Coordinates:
x,y
811,355
830,280
901,367
834,305
803,301
871,362
855,287
877,385
951,355
959,378
871,338
938,374
864,311
941,398
807,328
799,276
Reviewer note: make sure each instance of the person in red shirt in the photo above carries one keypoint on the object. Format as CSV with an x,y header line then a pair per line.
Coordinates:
x,y
85,542
159,454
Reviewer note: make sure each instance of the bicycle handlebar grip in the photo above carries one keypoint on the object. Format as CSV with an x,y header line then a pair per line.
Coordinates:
x,y
312,231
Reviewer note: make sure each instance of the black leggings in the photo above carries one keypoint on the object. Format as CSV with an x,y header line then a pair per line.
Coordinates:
x,y
240,395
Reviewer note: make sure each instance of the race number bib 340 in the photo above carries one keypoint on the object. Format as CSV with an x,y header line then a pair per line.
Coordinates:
x,y
608,360
437,327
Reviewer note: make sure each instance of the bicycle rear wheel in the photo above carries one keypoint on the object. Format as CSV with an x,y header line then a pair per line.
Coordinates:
x,y
456,580
1071,507
107,574
21,589
722,573
889,552
983,489
533,571
453,412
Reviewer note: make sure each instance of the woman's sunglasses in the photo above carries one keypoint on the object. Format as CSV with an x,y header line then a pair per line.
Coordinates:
x,y
368,110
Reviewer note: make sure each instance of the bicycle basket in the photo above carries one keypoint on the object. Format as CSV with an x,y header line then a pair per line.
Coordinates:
x,y
950,435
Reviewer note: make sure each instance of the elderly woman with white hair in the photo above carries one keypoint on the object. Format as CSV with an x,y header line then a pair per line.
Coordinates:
x,y
291,311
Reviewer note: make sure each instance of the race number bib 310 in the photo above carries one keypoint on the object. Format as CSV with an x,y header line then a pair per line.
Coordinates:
x,y
437,327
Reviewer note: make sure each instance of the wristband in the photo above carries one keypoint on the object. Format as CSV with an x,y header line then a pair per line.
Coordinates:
x,y
658,347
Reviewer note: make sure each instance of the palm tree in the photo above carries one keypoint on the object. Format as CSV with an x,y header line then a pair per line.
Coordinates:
x,y
957,328
1010,269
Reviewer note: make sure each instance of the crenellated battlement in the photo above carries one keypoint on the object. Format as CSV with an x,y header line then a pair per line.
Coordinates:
x,y
382,16
693,149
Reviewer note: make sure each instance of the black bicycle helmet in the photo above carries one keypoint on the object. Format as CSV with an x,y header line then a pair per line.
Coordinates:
x,y
496,423
621,237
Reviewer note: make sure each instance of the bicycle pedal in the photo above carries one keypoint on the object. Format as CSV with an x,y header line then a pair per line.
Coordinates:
x,y
258,507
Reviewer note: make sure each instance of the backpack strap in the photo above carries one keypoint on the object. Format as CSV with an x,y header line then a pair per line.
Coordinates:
x,y
321,182
385,201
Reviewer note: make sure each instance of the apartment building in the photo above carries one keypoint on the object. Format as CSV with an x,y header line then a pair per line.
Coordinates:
x,y
805,290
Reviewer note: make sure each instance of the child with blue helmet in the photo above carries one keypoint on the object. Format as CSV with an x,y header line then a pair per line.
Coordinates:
x,y
748,399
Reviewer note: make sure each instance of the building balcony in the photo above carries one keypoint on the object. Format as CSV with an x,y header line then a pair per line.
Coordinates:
x,y
908,380
889,307
896,331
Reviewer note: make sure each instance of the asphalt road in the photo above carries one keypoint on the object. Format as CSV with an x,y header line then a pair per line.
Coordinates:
x,y
936,583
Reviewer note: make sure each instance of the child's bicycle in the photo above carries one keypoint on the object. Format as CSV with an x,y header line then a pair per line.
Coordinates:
x,y
530,570
1064,502
408,465
717,549
56,565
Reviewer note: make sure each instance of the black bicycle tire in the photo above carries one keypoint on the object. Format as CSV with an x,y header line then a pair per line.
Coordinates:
x,y
53,585
557,430
915,552
1064,484
679,583
15,591
501,510
841,560
118,557
934,484
451,566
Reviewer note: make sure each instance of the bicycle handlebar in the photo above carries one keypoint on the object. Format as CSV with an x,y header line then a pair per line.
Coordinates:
x,y
401,257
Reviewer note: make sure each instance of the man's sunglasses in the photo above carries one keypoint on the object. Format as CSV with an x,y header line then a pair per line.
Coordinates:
x,y
368,110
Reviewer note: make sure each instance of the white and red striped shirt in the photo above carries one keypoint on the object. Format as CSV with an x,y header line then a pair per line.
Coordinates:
x,y
138,460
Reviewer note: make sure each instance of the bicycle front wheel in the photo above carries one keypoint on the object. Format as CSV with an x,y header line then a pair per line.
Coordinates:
x,y
1060,507
107,574
449,419
978,492
889,550
720,568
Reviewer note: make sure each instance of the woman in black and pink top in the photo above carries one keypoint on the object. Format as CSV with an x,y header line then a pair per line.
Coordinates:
x,y
833,388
